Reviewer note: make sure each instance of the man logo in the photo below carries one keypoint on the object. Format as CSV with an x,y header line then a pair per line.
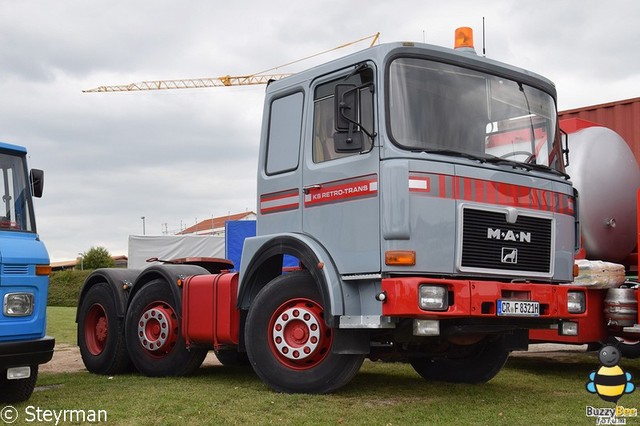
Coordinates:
x,y
508,235
509,255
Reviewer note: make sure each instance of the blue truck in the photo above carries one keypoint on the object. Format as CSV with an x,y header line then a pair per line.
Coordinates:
x,y
24,278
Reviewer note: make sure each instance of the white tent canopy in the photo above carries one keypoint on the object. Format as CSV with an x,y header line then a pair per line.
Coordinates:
x,y
166,247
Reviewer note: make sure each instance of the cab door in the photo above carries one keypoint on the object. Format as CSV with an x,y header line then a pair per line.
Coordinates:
x,y
340,183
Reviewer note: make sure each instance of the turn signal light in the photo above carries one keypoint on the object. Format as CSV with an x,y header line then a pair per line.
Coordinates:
x,y
464,38
43,270
400,258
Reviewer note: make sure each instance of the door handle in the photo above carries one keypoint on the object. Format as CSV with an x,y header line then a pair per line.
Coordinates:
x,y
308,188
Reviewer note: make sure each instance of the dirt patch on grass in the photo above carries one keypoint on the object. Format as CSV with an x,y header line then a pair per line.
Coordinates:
x,y
552,350
67,359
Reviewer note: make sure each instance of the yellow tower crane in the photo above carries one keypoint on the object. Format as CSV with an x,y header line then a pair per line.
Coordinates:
x,y
198,83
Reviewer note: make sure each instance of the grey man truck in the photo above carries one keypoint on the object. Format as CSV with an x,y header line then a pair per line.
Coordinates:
x,y
422,191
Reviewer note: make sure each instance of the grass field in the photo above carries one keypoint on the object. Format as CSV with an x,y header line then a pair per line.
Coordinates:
x,y
530,390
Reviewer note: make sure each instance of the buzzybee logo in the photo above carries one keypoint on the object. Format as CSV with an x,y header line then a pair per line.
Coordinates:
x,y
610,382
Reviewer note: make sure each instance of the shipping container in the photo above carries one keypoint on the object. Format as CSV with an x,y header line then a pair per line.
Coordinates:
x,y
621,116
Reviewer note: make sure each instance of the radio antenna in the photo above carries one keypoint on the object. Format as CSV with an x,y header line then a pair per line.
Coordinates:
x,y
484,51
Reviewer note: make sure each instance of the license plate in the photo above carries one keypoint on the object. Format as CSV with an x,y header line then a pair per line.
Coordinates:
x,y
518,308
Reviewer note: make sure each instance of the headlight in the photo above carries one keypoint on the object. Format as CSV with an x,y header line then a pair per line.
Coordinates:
x,y
576,303
18,304
433,298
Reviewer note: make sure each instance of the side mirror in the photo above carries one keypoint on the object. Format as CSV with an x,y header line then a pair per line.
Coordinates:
x,y
36,176
348,141
346,138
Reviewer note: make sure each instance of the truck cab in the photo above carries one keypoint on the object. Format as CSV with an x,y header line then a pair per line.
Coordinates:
x,y
24,278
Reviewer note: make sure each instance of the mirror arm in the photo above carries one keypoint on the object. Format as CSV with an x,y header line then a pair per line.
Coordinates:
x,y
353,123
565,149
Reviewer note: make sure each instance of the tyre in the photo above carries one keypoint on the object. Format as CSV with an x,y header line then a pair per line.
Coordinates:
x,y
477,363
232,358
17,390
101,332
154,336
288,343
628,348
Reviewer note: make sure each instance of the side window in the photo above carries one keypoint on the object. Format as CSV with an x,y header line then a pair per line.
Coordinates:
x,y
324,117
285,129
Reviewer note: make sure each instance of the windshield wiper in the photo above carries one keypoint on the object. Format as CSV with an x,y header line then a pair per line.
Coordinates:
x,y
505,162
455,154
526,166
546,168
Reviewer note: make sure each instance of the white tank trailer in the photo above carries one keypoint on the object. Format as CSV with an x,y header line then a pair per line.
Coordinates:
x,y
606,175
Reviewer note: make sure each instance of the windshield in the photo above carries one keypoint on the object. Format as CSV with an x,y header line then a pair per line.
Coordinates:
x,y
448,109
15,206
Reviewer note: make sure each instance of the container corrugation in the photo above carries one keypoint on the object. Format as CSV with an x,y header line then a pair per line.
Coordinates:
x,y
622,116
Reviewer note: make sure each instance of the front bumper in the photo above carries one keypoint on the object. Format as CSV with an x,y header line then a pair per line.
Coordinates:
x,y
26,352
477,300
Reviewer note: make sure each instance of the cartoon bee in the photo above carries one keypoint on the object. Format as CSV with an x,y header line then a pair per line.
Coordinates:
x,y
610,382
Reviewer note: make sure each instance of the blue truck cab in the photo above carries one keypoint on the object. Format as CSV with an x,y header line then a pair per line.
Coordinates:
x,y
24,278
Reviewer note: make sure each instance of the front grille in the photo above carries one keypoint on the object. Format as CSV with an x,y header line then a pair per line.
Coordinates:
x,y
490,242
15,269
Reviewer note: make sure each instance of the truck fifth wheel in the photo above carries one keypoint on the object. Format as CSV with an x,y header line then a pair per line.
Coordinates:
x,y
421,190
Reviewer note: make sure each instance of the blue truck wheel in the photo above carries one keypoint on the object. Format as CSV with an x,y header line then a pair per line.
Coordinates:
x,y
17,390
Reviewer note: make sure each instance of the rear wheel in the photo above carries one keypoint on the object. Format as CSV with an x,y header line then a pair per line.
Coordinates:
x,y
288,343
17,390
477,363
628,348
101,332
231,357
154,336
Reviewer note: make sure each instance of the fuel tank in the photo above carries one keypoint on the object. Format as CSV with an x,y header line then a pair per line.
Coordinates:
x,y
605,173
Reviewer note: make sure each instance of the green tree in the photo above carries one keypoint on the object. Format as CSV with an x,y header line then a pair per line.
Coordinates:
x,y
97,257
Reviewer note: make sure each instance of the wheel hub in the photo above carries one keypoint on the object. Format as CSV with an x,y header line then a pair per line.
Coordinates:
x,y
296,333
156,329
101,329
96,329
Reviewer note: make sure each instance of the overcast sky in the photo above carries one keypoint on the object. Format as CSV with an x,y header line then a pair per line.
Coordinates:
x,y
177,157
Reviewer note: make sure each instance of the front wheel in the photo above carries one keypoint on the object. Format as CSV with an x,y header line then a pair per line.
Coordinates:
x,y
628,348
154,336
288,342
17,390
477,363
